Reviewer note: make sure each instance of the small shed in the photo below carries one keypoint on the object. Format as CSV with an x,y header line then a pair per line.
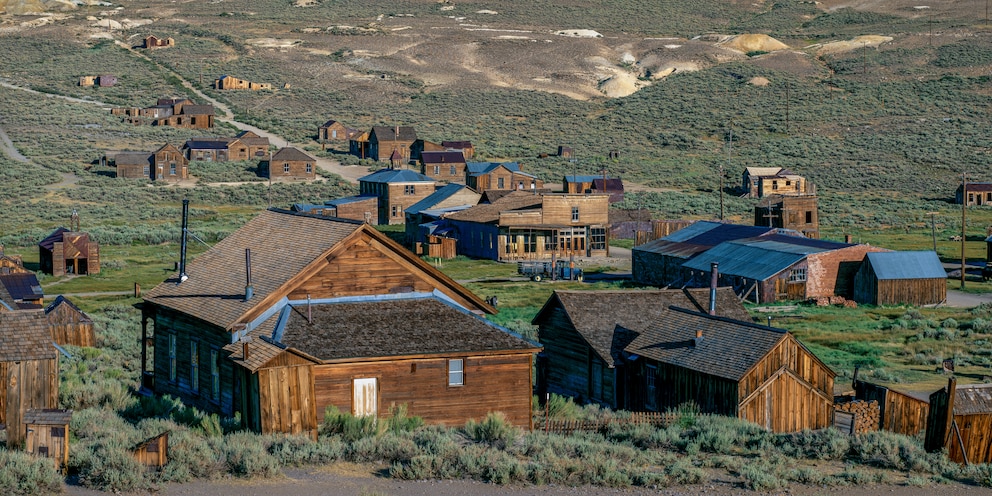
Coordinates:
x,y
46,433
87,80
901,277
153,452
69,324
29,367
107,80
960,421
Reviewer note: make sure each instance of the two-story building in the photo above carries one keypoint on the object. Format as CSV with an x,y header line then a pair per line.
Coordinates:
x,y
506,176
383,141
396,190
443,167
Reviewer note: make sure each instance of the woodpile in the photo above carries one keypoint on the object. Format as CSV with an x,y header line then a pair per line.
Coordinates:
x,y
866,414
826,301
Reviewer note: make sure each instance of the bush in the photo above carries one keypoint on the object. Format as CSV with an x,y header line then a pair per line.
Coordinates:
x,y
760,478
494,430
26,474
245,455
348,426
825,444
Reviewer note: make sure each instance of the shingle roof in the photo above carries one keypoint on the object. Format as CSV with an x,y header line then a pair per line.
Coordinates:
x,y
442,157
197,110
133,158
49,242
457,144
760,258
251,139
208,143
973,399
906,265
282,244
413,325
396,176
728,348
47,416
291,154
387,133
442,193
62,300
596,314
762,171
489,212
7,301
22,286
24,335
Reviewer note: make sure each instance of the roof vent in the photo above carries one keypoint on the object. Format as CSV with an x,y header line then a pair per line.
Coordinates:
x,y
698,339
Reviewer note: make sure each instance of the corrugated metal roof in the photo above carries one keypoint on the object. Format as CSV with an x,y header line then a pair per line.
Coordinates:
x,y
396,176
346,200
583,179
752,262
442,193
973,399
701,236
475,168
906,265
442,157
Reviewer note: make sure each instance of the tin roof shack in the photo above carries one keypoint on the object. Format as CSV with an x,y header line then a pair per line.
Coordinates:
x,y
584,334
292,256
901,278
759,182
526,226
29,365
659,262
445,167
798,213
289,164
730,367
46,433
69,324
487,176
24,289
69,252
397,190
776,267
448,198
579,183
384,140
609,186
960,421
978,194
368,355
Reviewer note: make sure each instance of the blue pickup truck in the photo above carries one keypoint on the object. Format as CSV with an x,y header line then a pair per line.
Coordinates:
x,y
560,270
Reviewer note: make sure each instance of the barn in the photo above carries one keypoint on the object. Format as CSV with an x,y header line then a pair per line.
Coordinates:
x,y
901,278
29,367
69,252
730,367
69,324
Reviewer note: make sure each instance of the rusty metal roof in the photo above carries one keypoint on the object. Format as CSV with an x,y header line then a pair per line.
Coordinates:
x,y
973,399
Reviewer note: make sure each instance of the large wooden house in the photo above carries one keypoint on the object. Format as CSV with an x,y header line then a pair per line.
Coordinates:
x,y
798,213
29,366
901,278
584,334
759,182
165,163
729,367
978,194
334,131
69,324
505,176
383,141
69,252
396,189
524,225
328,279
173,112
289,164
226,82
443,167
466,147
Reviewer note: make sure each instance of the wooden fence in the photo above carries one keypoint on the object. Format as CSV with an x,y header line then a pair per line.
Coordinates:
x,y
565,427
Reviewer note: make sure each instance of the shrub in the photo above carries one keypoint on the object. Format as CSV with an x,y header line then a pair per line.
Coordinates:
x,y
26,474
684,472
760,478
949,323
245,455
348,426
399,421
562,407
825,444
301,450
494,430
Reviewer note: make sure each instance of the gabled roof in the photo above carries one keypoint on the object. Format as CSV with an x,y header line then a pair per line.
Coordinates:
x,y
387,133
728,349
762,171
699,237
331,123
975,399
480,168
595,315
49,242
7,302
24,335
167,146
762,257
460,145
47,416
442,157
284,245
22,286
251,139
906,265
349,199
290,154
190,109
395,176
975,187
442,193
489,212
389,326
133,158
208,143
611,184
62,300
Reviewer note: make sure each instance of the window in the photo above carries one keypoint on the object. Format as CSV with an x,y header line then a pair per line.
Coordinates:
x,y
146,171
309,168
530,243
551,242
172,357
788,183
172,169
597,238
214,375
285,168
650,392
437,170
499,183
334,133
451,172
532,185
575,214
409,189
809,217
520,185
456,372
396,211
194,366
797,275
774,184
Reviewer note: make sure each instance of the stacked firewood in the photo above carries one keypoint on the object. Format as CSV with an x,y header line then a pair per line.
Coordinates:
x,y
866,414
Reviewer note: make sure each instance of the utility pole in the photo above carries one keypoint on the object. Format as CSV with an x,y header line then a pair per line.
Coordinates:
x,y
964,209
933,229
787,88
931,29
864,57
730,151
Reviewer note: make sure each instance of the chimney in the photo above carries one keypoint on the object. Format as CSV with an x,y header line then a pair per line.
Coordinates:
x,y
182,243
714,274
249,289
848,238
699,337
244,350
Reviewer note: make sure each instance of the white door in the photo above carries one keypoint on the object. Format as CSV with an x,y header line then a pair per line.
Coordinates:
x,y
365,401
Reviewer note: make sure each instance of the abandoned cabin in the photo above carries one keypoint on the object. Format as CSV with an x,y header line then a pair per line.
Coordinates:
x,y
335,131
384,141
289,164
69,325
978,194
11,264
29,364
527,226
960,421
610,186
504,176
396,189
443,167
261,332
24,289
759,182
584,334
226,82
798,213
466,147
173,112
360,208
69,252
729,367
152,41
583,183
422,217
901,278
46,434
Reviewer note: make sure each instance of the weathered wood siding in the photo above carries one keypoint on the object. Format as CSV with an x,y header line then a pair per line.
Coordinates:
x,y
26,384
831,273
676,385
569,363
491,383
153,452
593,209
656,269
50,441
69,327
298,169
208,338
477,240
869,289
900,413
398,197
976,434
286,398
363,210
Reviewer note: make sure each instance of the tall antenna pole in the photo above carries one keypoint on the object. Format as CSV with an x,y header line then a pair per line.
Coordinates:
x,y
787,88
964,209
933,229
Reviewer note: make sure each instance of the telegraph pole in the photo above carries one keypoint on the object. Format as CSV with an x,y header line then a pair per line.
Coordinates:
x,y
964,209
933,229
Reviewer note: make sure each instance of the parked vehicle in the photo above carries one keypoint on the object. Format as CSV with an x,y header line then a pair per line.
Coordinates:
x,y
558,270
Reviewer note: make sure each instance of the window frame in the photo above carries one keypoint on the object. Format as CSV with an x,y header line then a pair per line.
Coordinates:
x,y
575,214
456,378
214,374
194,365
173,373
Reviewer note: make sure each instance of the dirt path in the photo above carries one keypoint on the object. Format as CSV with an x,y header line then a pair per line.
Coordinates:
x,y
68,179
958,299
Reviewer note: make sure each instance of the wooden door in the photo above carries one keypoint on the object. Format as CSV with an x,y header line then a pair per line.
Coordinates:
x,y
365,401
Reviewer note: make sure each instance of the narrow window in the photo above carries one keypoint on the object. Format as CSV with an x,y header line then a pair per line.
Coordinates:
x,y
437,170
499,183
309,168
147,171
172,169
214,375
575,214
456,372
194,366
650,391
334,133
774,184
451,172
809,217
285,168
172,357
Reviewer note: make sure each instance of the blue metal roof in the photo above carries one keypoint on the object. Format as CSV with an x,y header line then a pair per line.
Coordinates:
x,y
476,168
346,200
395,176
583,179
906,265
436,197
756,262
304,207
699,236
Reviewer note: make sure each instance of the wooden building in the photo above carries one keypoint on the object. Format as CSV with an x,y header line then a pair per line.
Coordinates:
x,y
245,146
505,176
584,334
165,163
289,164
798,213
69,324
173,112
730,367
370,354
421,217
169,164
358,145
11,264
527,226
899,412
250,146
130,165
420,146
443,167
759,182
106,80
153,452
46,434
581,183
960,421
384,140
69,252
777,267
87,80
901,278
152,41
466,147
396,190
360,208
29,366
226,82
978,194
334,131
659,262
609,186
24,289
285,386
